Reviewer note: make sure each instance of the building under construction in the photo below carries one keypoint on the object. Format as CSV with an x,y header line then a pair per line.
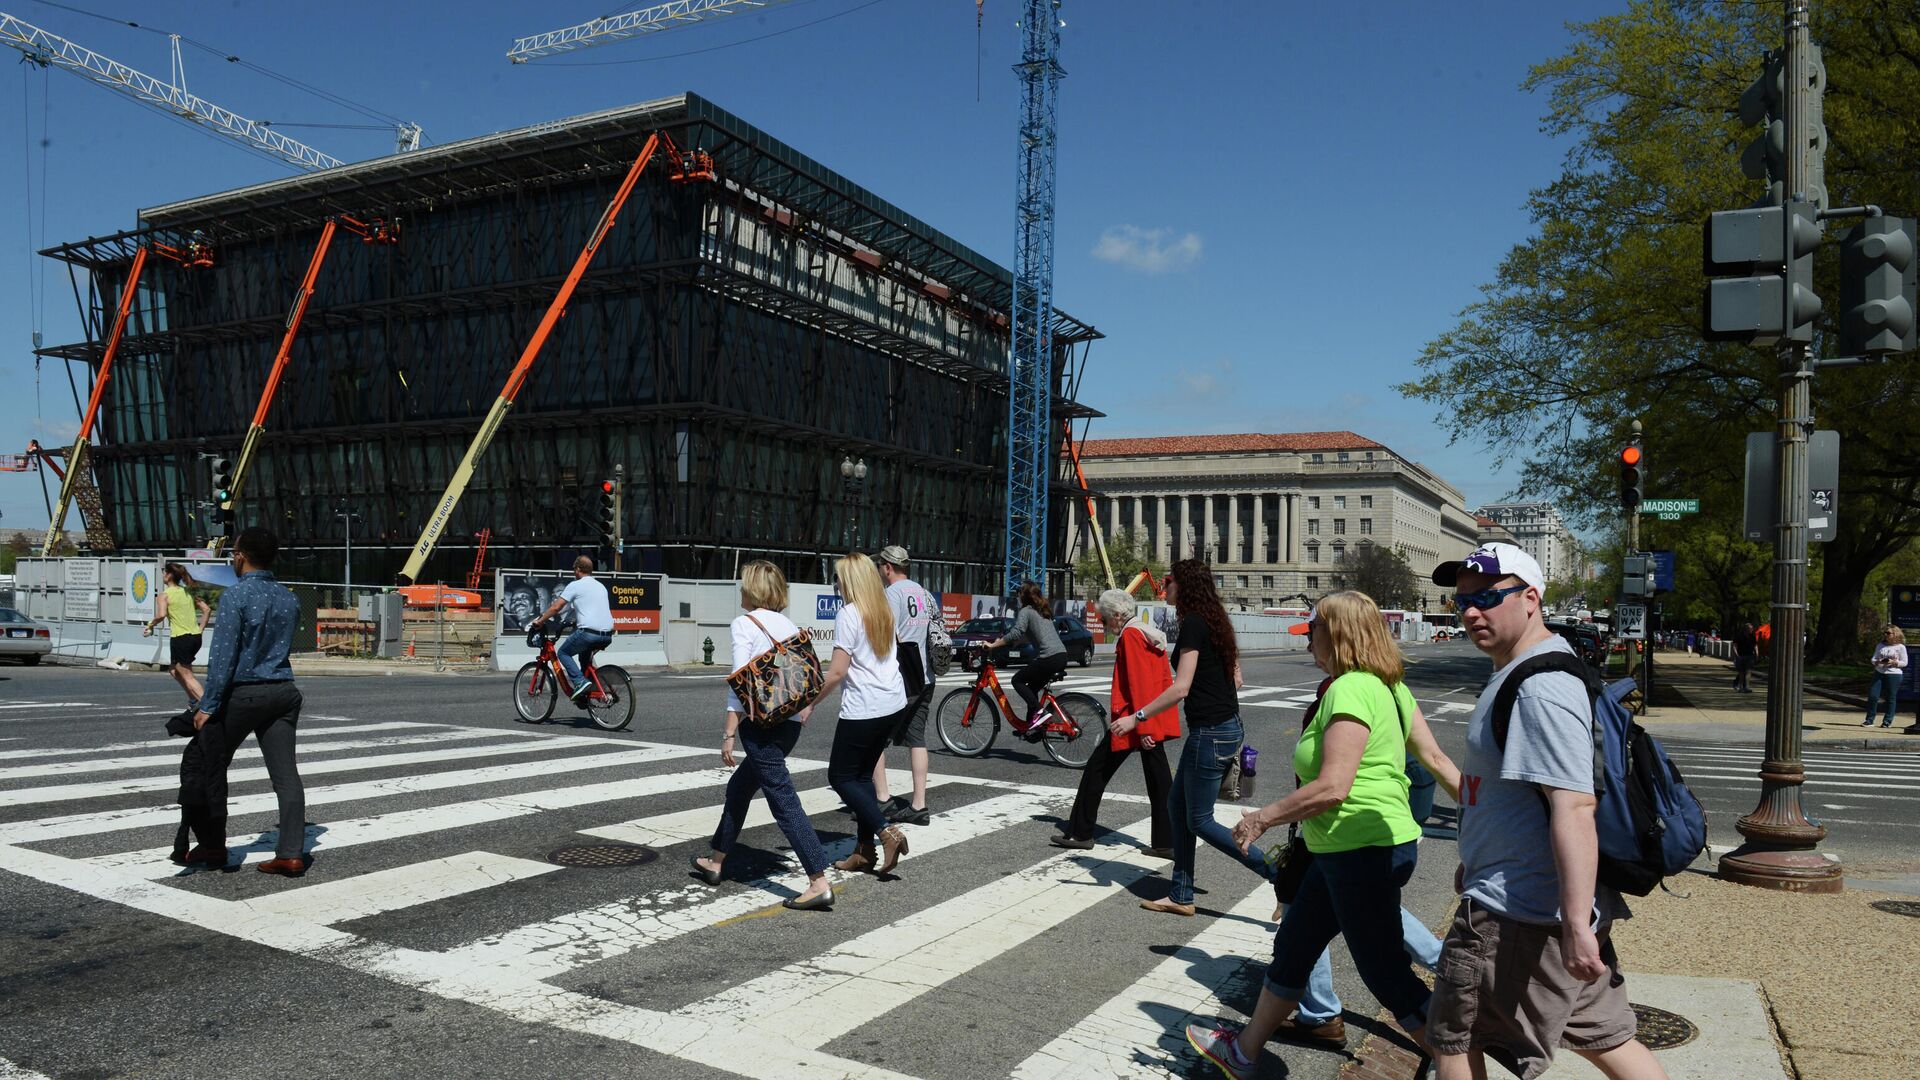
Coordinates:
x,y
743,331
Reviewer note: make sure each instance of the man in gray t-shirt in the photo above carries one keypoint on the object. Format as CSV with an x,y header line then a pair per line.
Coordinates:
x,y
1528,966
914,609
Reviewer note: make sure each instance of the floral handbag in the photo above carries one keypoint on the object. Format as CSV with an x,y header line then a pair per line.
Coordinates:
x,y
779,684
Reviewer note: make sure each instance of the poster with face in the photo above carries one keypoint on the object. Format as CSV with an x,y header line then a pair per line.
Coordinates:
x,y
634,599
523,596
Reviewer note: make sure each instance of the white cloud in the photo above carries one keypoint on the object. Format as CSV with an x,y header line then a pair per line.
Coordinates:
x,y
1151,251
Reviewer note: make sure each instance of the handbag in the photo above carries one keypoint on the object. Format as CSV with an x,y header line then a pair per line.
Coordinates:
x,y
1290,862
779,684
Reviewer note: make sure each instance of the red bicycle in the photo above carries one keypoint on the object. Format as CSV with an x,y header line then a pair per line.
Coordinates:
x,y
1071,725
537,687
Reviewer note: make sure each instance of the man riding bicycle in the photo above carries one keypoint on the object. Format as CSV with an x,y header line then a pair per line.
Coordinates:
x,y
593,621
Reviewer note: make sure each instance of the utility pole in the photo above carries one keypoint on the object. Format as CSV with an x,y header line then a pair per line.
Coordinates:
x,y
1780,849
1633,548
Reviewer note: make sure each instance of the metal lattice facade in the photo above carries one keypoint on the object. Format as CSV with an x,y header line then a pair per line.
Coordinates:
x,y
733,341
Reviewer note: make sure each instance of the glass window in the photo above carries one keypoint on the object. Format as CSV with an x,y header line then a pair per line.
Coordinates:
x,y
1313,526
1343,455
1339,550
1319,459
1219,581
1313,581
1366,526
1366,501
1313,502
1339,502
1313,551
1339,526
1243,581
1266,581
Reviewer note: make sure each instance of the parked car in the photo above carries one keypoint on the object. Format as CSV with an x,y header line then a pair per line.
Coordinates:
x,y
23,639
1073,634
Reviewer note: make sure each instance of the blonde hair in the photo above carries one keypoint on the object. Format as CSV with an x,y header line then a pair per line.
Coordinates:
x,y
860,584
1899,635
762,585
1356,636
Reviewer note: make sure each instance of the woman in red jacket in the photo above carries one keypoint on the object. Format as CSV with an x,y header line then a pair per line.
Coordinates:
x,y
1140,674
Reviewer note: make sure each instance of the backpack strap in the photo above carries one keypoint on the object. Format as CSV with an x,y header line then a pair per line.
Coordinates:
x,y
1502,712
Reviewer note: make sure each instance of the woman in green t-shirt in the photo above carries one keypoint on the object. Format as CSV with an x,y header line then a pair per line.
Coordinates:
x,y
1353,811
176,607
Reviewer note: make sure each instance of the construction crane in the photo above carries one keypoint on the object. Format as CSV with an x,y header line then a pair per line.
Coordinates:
x,y
48,49
369,232
621,27
682,168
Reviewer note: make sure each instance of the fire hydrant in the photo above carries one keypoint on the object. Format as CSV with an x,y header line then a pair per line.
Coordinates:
x,y
707,648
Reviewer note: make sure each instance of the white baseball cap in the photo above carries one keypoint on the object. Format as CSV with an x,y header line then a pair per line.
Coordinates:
x,y
1499,560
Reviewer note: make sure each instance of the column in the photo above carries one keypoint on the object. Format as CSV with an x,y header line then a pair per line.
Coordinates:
x,y
1233,528
1169,537
1208,539
1139,518
1289,528
1113,517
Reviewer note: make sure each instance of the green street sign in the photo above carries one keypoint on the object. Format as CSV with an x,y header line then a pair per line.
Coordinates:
x,y
1669,515
1670,509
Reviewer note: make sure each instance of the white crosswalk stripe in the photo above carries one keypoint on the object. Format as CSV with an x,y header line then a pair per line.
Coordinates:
x,y
424,834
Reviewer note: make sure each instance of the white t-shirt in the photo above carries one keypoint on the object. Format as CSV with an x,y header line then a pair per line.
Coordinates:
x,y
591,610
749,642
914,610
873,686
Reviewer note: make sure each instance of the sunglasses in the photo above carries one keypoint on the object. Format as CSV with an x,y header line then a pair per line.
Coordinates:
x,y
1485,599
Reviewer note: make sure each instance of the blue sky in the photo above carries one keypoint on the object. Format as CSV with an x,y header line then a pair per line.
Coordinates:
x,y
1267,207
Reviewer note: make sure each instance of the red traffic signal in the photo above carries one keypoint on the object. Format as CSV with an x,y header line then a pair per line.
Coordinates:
x,y
1629,455
606,486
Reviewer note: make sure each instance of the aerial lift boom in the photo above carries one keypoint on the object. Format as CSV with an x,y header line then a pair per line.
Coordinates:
x,y
374,232
684,167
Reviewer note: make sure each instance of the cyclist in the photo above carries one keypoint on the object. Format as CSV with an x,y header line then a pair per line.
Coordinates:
x,y
593,624
1035,624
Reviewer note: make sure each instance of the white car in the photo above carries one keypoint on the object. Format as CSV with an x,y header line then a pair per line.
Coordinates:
x,y
23,639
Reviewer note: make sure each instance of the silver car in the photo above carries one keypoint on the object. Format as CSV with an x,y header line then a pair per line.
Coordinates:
x,y
23,639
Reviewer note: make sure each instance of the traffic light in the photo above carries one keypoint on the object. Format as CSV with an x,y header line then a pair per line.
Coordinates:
x,y
1633,478
609,514
1773,247
1877,287
1636,577
222,490
1765,103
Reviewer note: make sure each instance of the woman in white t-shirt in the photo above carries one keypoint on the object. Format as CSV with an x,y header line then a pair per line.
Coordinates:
x,y
1889,667
763,763
873,701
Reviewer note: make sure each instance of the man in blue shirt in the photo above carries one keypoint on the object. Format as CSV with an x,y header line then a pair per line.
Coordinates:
x,y
249,689
593,624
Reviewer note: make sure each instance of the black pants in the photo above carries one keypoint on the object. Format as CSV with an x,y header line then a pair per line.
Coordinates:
x,y
1035,676
1099,772
857,747
271,713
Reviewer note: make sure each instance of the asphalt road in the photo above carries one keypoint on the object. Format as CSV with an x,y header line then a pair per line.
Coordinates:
x,y
432,936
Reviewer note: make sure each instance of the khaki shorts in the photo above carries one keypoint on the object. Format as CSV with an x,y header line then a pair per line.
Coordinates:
x,y
912,730
1501,988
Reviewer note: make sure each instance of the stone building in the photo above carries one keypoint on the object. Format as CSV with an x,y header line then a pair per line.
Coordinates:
x,y
1538,530
1274,514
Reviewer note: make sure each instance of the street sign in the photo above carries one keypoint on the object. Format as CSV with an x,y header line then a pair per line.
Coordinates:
x,y
1823,487
1630,621
1662,570
1676,507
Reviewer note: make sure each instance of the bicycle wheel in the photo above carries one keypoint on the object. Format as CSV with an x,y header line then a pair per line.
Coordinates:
x,y
534,693
614,711
967,736
1089,718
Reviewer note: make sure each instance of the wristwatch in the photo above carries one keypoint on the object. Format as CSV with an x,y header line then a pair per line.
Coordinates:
x,y
1139,715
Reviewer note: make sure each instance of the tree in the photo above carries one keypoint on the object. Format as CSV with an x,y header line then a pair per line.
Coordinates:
x,y
1595,320
1379,572
1128,553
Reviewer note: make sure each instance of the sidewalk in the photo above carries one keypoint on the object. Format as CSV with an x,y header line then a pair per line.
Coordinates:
x,y
1694,698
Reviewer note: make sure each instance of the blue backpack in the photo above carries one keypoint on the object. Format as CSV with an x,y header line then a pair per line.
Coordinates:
x,y
1650,825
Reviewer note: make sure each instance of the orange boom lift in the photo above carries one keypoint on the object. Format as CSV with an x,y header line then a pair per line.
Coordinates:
x,y
685,167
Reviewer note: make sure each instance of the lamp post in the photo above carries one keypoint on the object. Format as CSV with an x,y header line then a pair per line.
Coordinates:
x,y
853,474
349,517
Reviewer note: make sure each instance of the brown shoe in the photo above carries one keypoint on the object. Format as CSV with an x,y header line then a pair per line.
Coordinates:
x,y
293,867
1332,1034
862,859
205,857
893,844
1168,907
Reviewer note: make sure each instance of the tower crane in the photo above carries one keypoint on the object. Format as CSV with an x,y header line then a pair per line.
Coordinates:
x,y
1030,428
48,49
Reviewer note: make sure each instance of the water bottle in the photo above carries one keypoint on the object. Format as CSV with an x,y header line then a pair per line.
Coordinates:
x,y
1249,758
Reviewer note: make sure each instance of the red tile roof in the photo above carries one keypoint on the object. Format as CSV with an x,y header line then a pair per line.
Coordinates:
x,y
1226,444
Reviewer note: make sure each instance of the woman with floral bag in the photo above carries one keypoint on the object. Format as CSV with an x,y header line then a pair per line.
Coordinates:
x,y
762,765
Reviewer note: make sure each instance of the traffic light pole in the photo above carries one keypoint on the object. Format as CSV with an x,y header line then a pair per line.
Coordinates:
x,y
1780,852
1636,664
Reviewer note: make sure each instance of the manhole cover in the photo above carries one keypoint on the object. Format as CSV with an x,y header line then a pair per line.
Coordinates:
x,y
603,855
1662,1030
1898,907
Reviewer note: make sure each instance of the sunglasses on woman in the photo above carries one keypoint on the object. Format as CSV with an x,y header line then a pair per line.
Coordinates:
x,y
1485,599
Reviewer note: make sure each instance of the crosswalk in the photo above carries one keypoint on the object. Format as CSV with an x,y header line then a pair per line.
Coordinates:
x,y
1843,787
414,817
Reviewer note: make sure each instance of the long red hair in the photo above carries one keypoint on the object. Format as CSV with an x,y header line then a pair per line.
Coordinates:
x,y
1197,599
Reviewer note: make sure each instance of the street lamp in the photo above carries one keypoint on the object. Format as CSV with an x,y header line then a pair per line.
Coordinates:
x,y
853,474
349,517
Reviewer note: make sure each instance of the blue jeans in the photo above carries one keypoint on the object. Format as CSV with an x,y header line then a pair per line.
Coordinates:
x,y
858,745
578,642
1321,1004
1355,894
1196,786
1887,684
763,768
